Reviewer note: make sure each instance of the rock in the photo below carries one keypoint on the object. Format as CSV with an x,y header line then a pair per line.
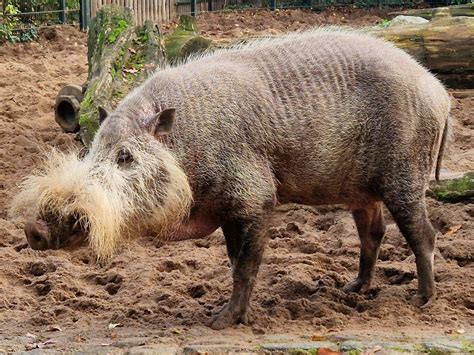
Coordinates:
x,y
403,20
444,345
154,349
293,347
350,345
214,349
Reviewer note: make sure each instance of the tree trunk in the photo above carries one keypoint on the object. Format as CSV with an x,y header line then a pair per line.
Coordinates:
x,y
444,45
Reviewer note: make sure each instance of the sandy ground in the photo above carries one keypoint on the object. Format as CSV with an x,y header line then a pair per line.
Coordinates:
x,y
165,292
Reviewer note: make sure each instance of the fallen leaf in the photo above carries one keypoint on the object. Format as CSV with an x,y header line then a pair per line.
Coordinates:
x,y
80,339
131,50
130,70
453,229
106,344
114,336
54,328
327,351
460,331
318,337
176,331
114,325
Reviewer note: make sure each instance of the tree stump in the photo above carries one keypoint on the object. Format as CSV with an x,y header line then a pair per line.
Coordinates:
x,y
121,56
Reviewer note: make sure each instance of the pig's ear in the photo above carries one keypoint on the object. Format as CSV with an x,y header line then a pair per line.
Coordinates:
x,y
102,114
161,123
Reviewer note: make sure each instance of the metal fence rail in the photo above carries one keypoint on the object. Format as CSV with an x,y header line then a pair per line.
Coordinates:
x,y
33,14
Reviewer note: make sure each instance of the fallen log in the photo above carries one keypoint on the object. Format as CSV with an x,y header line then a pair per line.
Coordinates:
x,y
455,10
444,45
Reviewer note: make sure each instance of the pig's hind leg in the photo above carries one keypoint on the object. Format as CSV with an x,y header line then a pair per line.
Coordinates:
x,y
408,209
371,228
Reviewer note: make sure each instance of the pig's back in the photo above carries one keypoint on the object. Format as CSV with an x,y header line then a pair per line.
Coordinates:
x,y
344,107
324,107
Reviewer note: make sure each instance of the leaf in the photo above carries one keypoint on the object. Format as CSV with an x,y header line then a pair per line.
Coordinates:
x,y
318,337
32,336
114,325
131,50
453,229
54,328
130,70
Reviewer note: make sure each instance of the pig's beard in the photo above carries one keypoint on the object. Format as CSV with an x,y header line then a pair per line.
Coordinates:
x,y
109,207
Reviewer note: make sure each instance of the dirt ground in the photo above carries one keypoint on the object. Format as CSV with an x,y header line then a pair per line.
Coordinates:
x,y
251,23
165,292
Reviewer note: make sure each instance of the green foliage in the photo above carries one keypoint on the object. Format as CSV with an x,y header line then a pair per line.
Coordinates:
x,y
117,31
354,352
468,347
45,5
384,23
455,190
10,27
185,40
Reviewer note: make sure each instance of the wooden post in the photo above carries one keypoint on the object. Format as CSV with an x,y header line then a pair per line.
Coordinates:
x,y
193,8
62,8
273,4
209,5
84,14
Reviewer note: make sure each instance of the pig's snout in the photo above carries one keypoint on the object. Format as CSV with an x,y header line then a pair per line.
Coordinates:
x,y
37,234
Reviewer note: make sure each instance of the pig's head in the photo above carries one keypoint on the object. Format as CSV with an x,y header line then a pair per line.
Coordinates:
x,y
128,182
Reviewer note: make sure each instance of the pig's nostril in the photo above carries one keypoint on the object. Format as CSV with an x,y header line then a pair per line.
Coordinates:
x,y
37,235
37,238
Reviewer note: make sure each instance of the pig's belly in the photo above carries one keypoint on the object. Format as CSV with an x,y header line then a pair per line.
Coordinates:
x,y
325,195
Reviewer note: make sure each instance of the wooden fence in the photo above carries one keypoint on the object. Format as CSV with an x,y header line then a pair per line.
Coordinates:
x,y
159,11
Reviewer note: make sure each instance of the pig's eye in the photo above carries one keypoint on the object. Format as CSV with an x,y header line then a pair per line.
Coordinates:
x,y
82,153
124,158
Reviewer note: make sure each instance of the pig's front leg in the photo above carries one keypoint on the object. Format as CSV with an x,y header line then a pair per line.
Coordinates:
x,y
245,240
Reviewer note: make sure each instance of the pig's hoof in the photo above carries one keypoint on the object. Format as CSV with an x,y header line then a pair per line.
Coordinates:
x,y
225,318
358,285
424,301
